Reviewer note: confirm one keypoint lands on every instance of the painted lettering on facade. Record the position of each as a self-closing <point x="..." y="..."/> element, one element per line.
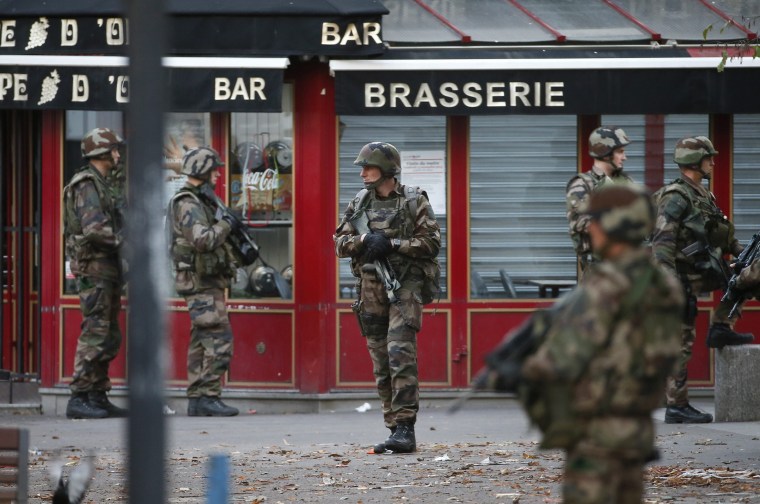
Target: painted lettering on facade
<point x="333" y="34"/>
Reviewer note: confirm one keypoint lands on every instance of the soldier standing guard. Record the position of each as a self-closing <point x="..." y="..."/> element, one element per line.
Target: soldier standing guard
<point x="204" y="265"/>
<point x="604" y="353"/>
<point x="690" y="237"/>
<point x="93" y="222"/>
<point x="606" y="145"/>
<point x="404" y="235"/>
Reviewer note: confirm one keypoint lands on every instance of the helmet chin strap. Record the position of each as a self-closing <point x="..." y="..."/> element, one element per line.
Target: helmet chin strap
<point x="372" y="185"/>
<point x="615" y="168"/>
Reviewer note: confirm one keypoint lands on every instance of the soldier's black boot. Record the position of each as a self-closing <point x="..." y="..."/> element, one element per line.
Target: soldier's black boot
<point x="213" y="406"/>
<point x="686" y="414"/>
<point x="721" y="335"/>
<point x="100" y="399"/>
<point x="192" y="406"/>
<point x="402" y="441"/>
<point x="79" y="406"/>
<point x="380" y="447"/>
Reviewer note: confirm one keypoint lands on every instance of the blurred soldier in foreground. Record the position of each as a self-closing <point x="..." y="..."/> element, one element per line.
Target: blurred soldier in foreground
<point x="93" y="222"/>
<point x="390" y="233"/>
<point x="204" y="265"/>
<point x="593" y="366"/>
<point x="607" y="146"/>
<point x="690" y="238"/>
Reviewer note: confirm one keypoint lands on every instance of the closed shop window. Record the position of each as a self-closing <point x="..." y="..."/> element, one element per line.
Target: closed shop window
<point x="746" y="180"/>
<point x="260" y="164"/>
<point x="419" y="140"/>
<point x="77" y="124"/>
<point x="519" y="166"/>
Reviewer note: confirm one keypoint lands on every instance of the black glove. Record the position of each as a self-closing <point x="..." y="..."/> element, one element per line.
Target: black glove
<point x="226" y="217"/>
<point x="376" y="246"/>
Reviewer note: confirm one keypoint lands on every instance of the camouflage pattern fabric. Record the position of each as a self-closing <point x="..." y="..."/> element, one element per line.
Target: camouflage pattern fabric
<point x="93" y="233"/>
<point x="391" y="329"/>
<point x="197" y="242"/>
<point x="210" y="350"/>
<point x="578" y="190"/>
<point x="683" y="210"/>
<point x="99" y="141"/>
<point x="605" y="139"/>
<point x="749" y="279"/>
<point x="612" y="343"/>
<point x="93" y="225"/>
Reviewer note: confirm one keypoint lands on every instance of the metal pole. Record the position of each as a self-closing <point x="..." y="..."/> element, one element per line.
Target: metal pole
<point x="3" y="263"/>
<point x="147" y="252"/>
<point x="20" y="262"/>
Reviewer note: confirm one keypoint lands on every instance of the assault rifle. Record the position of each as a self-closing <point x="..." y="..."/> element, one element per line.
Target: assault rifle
<point x="382" y="265"/>
<point x="245" y="248"/>
<point x="746" y="257"/>
<point x="503" y="364"/>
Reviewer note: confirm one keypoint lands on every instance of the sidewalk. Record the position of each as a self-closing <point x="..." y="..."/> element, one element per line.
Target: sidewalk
<point x="480" y="454"/>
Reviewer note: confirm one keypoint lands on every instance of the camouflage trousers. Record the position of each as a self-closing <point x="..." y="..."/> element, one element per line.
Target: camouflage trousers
<point x="391" y="332"/>
<point x="601" y="477"/>
<point x="210" y="350"/>
<point x="100" y="339"/>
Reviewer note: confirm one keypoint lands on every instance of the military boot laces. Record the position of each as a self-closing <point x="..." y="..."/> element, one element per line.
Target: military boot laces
<point x="213" y="406"/>
<point x="380" y="447"/>
<point x="686" y="414"/>
<point x="100" y="399"/>
<point x="402" y="441"/>
<point x="79" y="406"/>
<point x="721" y="335"/>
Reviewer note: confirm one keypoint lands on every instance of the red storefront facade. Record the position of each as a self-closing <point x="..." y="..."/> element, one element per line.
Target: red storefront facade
<point x="307" y="346"/>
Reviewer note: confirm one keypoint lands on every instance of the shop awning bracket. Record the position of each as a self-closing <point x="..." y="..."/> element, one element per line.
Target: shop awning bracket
<point x="448" y="24"/>
<point x="630" y="17"/>
<point x="559" y="36"/>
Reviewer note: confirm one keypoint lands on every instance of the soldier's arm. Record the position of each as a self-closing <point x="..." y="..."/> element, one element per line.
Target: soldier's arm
<point x="576" y="195"/>
<point x="670" y="211"/>
<point x="426" y="240"/>
<point x="346" y="238"/>
<point x="196" y="228"/>
<point x="749" y="277"/>
<point x="97" y="227"/>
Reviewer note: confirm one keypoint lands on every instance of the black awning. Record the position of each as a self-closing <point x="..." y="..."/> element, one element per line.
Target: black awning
<point x="542" y="82"/>
<point x="219" y="27"/>
<point x="102" y="83"/>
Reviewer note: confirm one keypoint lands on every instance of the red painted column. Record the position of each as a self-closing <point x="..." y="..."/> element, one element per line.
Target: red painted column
<point x="459" y="242"/>
<point x="316" y="174"/>
<point x="722" y="134"/>
<point x="586" y="124"/>
<point x="654" y="149"/>
<point x="50" y="246"/>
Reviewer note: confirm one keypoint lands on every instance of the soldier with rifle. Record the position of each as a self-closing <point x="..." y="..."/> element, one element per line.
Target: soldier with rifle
<point x="204" y="260"/>
<point x="746" y="277"/>
<point x="590" y="370"/>
<point x="391" y="235"/>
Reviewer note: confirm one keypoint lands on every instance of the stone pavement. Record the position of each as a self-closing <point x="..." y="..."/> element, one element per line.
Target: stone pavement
<point x="480" y="454"/>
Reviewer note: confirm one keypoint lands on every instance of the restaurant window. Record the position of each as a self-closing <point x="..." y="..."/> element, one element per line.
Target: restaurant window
<point x="519" y="166"/>
<point x="77" y="124"/>
<point x="260" y="189"/>
<point x="746" y="176"/>
<point x="421" y="141"/>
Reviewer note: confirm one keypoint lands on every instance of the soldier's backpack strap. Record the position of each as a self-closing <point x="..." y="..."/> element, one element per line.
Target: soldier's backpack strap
<point x="677" y="206"/>
<point x="169" y="223"/>
<point x="78" y="177"/>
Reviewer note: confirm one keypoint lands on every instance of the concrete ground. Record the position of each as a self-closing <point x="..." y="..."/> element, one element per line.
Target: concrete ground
<point x="480" y="454"/>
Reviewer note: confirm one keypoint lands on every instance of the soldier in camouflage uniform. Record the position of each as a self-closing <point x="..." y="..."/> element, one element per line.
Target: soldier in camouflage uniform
<point x="204" y="265"/>
<point x="607" y="147"/>
<point x="691" y="235"/>
<point x="93" y="222"/>
<point x="405" y="240"/>
<point x="605" y="351"/>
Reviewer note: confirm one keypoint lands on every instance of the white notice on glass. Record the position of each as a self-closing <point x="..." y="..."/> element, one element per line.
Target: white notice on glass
<point x="426" y="169"/>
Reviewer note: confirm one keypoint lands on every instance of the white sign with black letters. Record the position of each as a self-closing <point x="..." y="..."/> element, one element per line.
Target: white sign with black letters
<point x="426" y="169"/>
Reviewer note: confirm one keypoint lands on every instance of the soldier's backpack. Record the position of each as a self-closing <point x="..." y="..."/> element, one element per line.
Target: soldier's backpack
<point x="431" y="287"/>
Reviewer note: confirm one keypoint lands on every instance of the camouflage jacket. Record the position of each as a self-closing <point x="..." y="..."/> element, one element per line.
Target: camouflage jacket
<point x="749" y="279"/>
<point x="576" y="196"/>
<point x="611" y="344"/>
<point x="688" y="216"/>
<point x="200" y="254"/>
<point x="92" y="225"/>
<point x="419" y="235"/>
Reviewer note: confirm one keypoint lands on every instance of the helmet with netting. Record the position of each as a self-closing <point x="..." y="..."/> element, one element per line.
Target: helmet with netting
<point x="691" y="150"/>
<point x="624" y="211"/>
<point x="199" y="162"/>
<point x="381" y="154"/>
<point x="100" y="141"/>
<point x="605" y="139"/>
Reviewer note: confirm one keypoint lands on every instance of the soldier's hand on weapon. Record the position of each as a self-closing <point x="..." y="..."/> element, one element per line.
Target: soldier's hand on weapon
<point x="221" y="215"/>
<point x="376" y="246"/>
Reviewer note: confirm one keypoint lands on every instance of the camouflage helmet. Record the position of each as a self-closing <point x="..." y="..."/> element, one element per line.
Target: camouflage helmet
<point x="199" y="162"/>
<point x="262" y="282"/>
<point x="380" y="154"/>
<point x="100" y="141"/>
<point x="605" y="139"/>
<point x="624" y="211"/>
<point x="691" y="150"/>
